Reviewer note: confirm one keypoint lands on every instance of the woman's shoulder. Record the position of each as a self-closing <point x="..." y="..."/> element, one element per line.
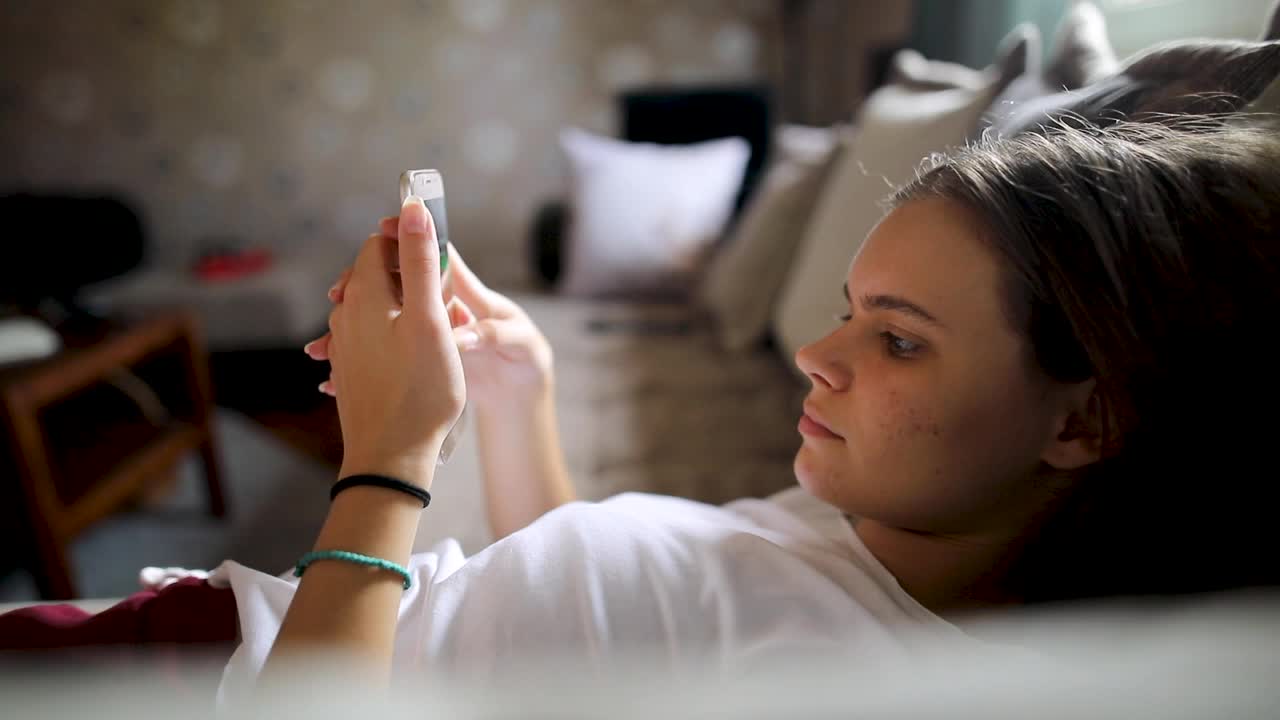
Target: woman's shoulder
<point x="789" y="519"/>
<point x="785" y="536"/>
<point x="637" y="547"/>
<point x="635" y="520"/>
<point x="739" y="567"/>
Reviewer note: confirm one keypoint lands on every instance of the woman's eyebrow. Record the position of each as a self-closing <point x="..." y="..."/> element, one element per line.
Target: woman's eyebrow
<point x="897" y="303"/>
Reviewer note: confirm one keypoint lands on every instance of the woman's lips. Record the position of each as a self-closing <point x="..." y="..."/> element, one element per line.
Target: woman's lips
<point x="814" y="427"/>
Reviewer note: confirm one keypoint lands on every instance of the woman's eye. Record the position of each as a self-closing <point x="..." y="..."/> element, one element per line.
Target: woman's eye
<point x="895" y="345"/>
<point x="899" y="346"/>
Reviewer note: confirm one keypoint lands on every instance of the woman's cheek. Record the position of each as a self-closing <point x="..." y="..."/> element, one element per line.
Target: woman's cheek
<point x="902" y="419"/>
<point x="909" y="442"/>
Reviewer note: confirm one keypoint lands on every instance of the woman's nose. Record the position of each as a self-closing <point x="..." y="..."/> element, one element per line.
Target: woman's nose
<point x="822" y="366"/>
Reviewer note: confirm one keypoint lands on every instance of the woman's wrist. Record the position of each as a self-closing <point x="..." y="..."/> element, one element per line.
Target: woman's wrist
<point x="371" y="521"/>
<point x="418" y="469"/>
<point x="523" y="401"/>
<point x="365" y="498"/>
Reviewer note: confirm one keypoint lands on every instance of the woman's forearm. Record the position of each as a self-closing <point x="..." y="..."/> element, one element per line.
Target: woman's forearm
<point x="346" y="609"/>
<point x="524" y="469"/>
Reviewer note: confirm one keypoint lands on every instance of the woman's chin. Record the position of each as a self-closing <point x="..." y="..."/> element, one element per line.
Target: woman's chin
<point x="807" y="469"/>
<point x="818" y="479"/>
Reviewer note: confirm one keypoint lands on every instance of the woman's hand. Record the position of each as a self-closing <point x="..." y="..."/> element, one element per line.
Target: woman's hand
<point x="506" y="358"/>
<point x="396" y="370"/>
<point x="508" y="367"/>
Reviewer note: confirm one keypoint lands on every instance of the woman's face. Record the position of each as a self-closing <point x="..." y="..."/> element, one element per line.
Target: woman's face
<point x="926" y="411"/>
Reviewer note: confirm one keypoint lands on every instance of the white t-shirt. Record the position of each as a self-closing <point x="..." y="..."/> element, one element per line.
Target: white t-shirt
<point x="689" y="583"/>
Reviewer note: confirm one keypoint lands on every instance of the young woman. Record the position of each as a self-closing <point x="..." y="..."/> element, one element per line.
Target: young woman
<point x="1039" y="392"/>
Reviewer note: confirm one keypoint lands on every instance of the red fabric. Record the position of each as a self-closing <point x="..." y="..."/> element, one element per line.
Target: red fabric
<point x="188" y="612"/>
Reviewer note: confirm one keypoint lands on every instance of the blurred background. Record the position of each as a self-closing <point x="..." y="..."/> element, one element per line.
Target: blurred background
<point x="182" y="180"/>
<point x="286" y="124"/>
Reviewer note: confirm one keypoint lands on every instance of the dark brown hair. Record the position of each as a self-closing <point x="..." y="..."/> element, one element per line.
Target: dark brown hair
<point x="1145" y="256"/>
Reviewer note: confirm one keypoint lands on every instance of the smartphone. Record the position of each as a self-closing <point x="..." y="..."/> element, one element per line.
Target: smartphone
<point x="429" y="185"/>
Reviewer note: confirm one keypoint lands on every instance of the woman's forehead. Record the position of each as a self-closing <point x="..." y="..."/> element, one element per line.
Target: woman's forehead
<point x="930" y="252"/>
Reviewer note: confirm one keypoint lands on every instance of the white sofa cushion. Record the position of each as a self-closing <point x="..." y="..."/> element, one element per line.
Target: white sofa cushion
<point x="645" y="216"/>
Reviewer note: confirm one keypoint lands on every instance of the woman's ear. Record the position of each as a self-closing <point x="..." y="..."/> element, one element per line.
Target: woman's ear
<point x="1077" y="438"/>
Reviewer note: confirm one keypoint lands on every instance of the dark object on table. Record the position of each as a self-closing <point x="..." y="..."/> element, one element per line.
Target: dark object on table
<point x="55" y="245"/>
<point x="550" y="224"/>
<point x="669" y="116"/>
<point x="639" y="326"/>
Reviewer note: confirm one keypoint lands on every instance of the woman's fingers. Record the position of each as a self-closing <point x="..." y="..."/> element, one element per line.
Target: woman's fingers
<point x="371" y="276"/>
<point x="327" y="388"/>
<point x="391" y="260"/>
<point x="318" y="349"/>
<point x="462" y="320"/>
<point x="459" y="313"/>
<point x="461" y="282"/>
<point x="390" y="226"/>
<point x="340" y="286"/>
<point x="467" y="286"/>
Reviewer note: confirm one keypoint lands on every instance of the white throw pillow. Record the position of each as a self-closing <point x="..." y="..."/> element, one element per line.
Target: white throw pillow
<point x="645" y="216"/>
<point x="745" y="276"/>
<point x="898" y="126"/>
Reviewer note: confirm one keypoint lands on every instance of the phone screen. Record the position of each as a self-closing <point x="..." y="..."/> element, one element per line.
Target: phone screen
<point x="429" y="185"/>
<point x="436" y="206"/>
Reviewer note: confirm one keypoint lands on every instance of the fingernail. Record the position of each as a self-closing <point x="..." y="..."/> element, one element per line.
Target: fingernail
<point x="413" y="221"/>
<point x="333" y="292"/>
<point x="468" y="339"/>
<point x="307" y="348"/>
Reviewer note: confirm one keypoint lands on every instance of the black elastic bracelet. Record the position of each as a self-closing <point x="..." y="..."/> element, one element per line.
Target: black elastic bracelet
<point x="382" y="482"/>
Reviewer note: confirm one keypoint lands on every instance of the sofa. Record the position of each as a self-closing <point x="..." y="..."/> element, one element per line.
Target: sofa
<point x="697" y="394"/>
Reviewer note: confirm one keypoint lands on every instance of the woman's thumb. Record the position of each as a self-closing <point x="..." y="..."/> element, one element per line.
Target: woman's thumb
<point x="419" y="257"/>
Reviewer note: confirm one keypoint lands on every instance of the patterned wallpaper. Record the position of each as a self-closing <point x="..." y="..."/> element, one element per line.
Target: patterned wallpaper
<point x="285" y="123"/>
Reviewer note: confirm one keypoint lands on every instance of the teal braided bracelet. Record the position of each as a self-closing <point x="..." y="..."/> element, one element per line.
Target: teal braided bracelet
<point x="356" y="558"/>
